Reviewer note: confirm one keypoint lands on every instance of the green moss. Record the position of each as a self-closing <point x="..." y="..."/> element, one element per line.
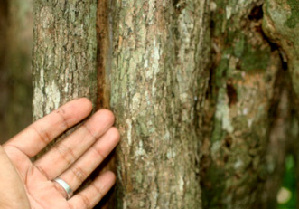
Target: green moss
<point x="294" y="19"/>
<point x="254" y="60"/>
<point x="217" y="131"/>
<point x="241" y="45"/>
<point x="211" y="196"/>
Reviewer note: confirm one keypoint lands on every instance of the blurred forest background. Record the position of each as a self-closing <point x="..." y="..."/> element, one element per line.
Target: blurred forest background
<point x="16" y="38"/>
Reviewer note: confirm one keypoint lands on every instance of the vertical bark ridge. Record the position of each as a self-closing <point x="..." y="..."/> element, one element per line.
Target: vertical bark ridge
<point x="158" y="81"/>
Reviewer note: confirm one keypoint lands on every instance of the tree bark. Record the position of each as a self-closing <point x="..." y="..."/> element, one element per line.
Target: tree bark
<point x="65" y="53"/>
<point x="244" y="71"/>
<point x="181" y="146"/>
<point x="158" y="83"/>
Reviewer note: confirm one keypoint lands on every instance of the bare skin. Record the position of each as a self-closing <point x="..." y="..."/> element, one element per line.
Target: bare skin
<point x="28" y="185"/>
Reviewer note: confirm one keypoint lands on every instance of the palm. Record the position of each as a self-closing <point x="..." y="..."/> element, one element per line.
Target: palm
<point x="41" y="192"/>
<point x="66" y="159"/>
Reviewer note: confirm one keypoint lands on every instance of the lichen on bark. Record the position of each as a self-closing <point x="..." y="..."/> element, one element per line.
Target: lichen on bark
<point x="159" y="77"/>
<point x="244" y="69"/>
<point x="65" y="53"/>
<point x="64" y="56"/>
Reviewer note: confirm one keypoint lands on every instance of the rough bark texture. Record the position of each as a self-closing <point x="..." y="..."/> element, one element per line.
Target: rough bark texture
<point x="15" y="63"/>
<point x="244" y="70"/>
<point x="153" y="71"/>
<point x="65" y="53"/>
<point x="158" y="83"/>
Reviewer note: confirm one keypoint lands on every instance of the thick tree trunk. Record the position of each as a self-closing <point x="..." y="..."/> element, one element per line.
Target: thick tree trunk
<point x="153" y="71"/>
<point x="158" y="82"/>
<point x="244" y="70"/>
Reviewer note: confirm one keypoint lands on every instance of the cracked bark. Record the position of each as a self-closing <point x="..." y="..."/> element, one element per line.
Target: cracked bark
<point x="158" y="83"/>
<point x="153" y="72"/>
<point x="166" y="99"/>
<point x="65" y="47"/>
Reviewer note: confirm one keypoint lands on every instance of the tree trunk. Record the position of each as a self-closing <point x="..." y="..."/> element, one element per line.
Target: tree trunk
<point x="244" y="74"/>
<point x="181" y="145"/>
<point x="158" y="83"/>
<point x="65" y="46"/>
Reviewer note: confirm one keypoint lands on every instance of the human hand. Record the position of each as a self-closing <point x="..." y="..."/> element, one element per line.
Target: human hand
<point x="29" y="185"/>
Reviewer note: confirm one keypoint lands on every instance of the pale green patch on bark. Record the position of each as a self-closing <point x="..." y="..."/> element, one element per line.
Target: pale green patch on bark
<point x="64" y="54"/>
<point x="242" y="88"/>
<point x="158" y="83"/>
<point x="65" y="51"/>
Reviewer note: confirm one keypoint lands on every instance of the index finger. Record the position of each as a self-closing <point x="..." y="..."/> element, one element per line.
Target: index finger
<point x="38" y="135"/>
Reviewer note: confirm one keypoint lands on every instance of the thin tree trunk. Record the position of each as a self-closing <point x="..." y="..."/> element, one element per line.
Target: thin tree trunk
<point x="158" y="83"/>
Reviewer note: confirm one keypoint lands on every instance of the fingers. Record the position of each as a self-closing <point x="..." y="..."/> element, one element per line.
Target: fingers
<point x="34" y="138"/>
<point x="86" y="164"/>
<point x="91" y="195"/>
<point x="61" y="156"/>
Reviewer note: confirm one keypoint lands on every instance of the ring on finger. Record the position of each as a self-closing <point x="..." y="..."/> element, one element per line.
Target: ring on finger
<point x="65" y="186"/>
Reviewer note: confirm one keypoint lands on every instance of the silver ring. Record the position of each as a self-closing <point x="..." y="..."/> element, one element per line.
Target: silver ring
<point x="65" y="186"/>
